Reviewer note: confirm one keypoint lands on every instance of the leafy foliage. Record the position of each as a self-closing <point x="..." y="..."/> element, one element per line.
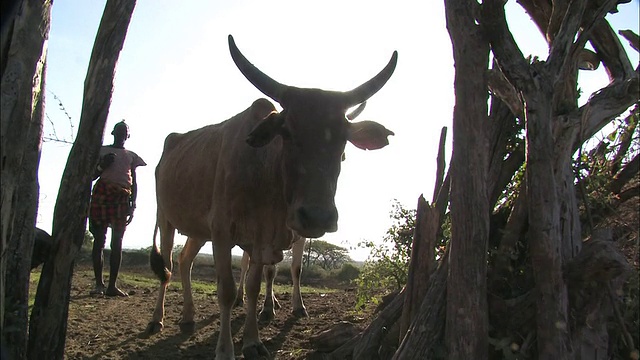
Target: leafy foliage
<point x="387" y="266"/>
<point x="600" y="170"/>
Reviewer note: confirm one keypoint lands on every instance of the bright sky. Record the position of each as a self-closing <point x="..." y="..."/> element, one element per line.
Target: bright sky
<point x="175" y="74"/>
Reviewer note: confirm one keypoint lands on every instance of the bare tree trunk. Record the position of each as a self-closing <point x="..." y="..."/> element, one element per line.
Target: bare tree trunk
<point x="467" y="324"/>
<point x="49" y="317"/>
<point x="24" y="39"/>
<point x="544" y="231"/>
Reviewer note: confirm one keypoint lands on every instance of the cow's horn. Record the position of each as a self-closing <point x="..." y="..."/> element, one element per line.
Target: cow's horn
<point x="366" y="90"/>
<point x="260" y="80"/>
<point x="357" y="111"/>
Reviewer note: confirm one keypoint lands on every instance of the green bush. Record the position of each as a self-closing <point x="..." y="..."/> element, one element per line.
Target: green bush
<point x="387" y="266"/>
<point x="347" y="273"/>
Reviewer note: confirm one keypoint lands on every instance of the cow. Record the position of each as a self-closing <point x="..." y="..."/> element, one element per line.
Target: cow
<point x="258" y="180"/>
<point x="192" y="248"/>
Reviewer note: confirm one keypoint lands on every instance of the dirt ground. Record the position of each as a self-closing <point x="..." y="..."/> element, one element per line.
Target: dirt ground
<point x="114" y="328"/>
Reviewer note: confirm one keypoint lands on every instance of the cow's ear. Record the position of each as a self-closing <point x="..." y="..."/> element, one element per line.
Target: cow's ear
<point x="368" y="135"/>
<point x="266" y="130"/>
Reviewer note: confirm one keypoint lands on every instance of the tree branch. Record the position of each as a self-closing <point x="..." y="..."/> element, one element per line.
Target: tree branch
<point x="504" y="47"/>
<point x="502" y="88"/>
<point x="560" y="51"/>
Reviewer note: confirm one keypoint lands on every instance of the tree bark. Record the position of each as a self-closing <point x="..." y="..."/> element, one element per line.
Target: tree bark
<point x="24" y="39"/>
<point x="366" y="344"/>
<point x="422" y="259"/>
<point x="544" y="228"/>
<point x="49" y="317"/>
<point x="467" y="322"/>
<point x="425" y="335"/>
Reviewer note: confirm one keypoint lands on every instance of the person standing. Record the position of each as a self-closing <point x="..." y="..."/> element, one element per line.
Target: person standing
<point x="113" y="201"/>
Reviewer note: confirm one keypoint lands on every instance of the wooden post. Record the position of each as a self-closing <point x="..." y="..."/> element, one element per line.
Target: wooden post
<point x="48" y="324"/>
<point x="25" y="28"/>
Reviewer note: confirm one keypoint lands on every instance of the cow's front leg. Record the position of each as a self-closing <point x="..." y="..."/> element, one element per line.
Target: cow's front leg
<point x="252" y="347"/>
<point x="226" y="297"/>
<point x="270" y="302"/>
<point x="185" y="260"/>
<point x="243" y="274"/>
<point x="299" y="310"/>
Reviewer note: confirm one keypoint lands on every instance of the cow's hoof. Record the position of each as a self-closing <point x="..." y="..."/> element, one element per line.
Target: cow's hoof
<point x="187" y="327"/>
<point x="256" y="351"/>
<point x="154" y="328"/>
<point x="300" y="313"/>
<point x="265" y="317"/>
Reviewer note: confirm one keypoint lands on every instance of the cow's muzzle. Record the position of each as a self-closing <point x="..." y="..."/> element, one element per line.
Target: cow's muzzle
<point x="314" y="221"/>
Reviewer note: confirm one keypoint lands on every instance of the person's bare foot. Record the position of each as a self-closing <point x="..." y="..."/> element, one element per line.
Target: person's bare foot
<point x="99" y="290"/>
<point x="114" y="291"/>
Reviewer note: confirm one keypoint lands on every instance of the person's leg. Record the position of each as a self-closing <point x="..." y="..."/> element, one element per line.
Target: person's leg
<point x="99" y="232"/>
<point x="117" y="234"/>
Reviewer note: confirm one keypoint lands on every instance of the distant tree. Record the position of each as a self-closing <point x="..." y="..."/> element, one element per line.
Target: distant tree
<point x="326" y="255"/>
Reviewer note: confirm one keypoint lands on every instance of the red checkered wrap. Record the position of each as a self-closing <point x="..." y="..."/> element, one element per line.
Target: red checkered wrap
<point x="109" y="205"/>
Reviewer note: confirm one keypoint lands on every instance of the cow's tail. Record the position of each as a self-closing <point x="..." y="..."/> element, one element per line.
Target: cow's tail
<point x="157" y="262"/>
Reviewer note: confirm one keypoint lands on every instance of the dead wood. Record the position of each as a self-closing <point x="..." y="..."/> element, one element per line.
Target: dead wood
<point x="441" y="164"/>
<point x="367" y="347"/>
<point x="632" y="38"/>
<point x="366" y="344"/>
<point x="467" y="322"/>
<point x="597" y="263"/>
<point x="628" y="172"/>
<point x="332" y="338"/>
<point x="422" y="258"/>
<point x="424" y="339"/>
<point x="625" y="139"/>
<point x="511" y="234"/>
<point x="25" y="30"/>
<point x="386" y="300"/>
<point x="588" y="276"/>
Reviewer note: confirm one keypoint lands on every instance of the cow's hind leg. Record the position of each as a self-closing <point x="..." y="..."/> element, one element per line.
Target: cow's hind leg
<point x="226" y="297"/>
<point x="244" y="266"/>
<point x="299" y="310"/>
<point x="270" y="302"/>
<point x="252" y="347"/>
<point x="161" y="264"/>
<point x="185" y="261"/>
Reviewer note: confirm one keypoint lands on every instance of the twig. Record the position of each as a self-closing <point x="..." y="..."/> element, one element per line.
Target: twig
<point x="55" y="139"/>
<point x="628" y="340"/>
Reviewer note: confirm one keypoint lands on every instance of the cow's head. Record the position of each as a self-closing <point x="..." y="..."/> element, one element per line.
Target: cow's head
<point x="314" y="130"/>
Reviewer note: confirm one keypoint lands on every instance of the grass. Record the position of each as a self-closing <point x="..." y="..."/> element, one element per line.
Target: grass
<point x="33" y="286"/>
<point x="134" y="273"/>
<point x="200" y="286"/>
<point x="148" y="281"/>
